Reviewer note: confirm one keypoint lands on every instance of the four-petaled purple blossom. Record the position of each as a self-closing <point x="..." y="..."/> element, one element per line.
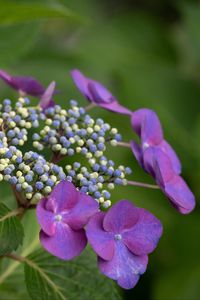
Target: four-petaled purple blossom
<point x="158" y="158"/>
<point x="62" y="217"/>
<point x="96" y="93"/>
<point x="30" y="86"/>
<point x="122" y="238"/>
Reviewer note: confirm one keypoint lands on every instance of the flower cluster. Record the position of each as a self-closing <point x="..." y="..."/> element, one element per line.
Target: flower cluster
<point x="72" y="198"/>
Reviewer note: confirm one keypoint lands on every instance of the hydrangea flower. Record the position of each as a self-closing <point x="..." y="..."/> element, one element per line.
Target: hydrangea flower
<point x="173" y="185"/>
<point x="147" y="125"/>
<point x="24" y="85"/>
<point x="96" y="93"/>
<point x="159" y="159"/>
<point x="62" y="217"/>
<point x="122" y="238"/>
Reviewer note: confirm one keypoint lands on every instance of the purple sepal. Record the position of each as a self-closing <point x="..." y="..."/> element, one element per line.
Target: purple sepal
<point x="62" y="217"/>
<point x="124" y="267"/>
<point x="46" y="100"/>
<point x="66" y="243"/>
<point x="25" y="85"/>
<point x="95" y="92"/>
<point x="122" y="238"/>
<point x="173" y="185"/>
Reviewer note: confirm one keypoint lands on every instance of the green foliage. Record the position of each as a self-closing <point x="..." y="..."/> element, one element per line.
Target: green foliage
<point x="13" y="12"/>
<point x="11" y="230"/>
<point x="48" y="278"/>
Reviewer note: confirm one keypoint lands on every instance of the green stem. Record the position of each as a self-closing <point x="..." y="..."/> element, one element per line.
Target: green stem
<point x="124" y="144"/>
<point x="142" y="184"/>
<point x="14" y="265"/>
<point x="90" y="106"/>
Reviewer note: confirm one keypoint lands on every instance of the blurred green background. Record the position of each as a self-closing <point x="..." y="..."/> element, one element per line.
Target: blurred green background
<point x="147" y="52"/>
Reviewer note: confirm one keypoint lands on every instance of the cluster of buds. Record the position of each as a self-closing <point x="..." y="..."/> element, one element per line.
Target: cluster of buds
<point x="72" y="198"/>
<point x="65" y="132"/>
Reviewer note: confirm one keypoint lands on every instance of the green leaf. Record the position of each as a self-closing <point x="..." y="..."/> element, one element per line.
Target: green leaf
<point x="48" y="278"/>
<point x="11" y="230"/>
<point x="12" y="12"/>
<point x="14" y="288"/>
<point x="179" y="284"/>
<point x="21" y="38"/>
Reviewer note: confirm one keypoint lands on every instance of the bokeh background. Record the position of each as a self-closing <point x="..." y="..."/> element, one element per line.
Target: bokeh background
<point x="147" y="52"/>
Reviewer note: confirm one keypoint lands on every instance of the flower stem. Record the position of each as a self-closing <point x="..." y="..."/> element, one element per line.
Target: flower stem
<point x="15" y="257"/>
<point x="124" y="144"/>
<point x="90" y="106"/>
<point x="142" y="184"/>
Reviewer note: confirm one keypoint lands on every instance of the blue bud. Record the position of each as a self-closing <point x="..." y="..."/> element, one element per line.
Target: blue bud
<point x="6" y="102"/>
<point x="56" y="169"/>
<point x="8" y="154"/>
<point x="117" y="173"/>
<point x="13" y="180"/>
<point x="10" y="133"/>
<point x="19" y="160"/>
<point x="39" y="185"/>
<point x="28" y="178"/>
<point x="7" y="171"/>
<point x="19" y="187"/>
<point x="84" y="189"/>
<point x="118" y="181"/>
<point x="50" y="182"/>
<point x="128" y="170"/>
<point x="97" y="194"/>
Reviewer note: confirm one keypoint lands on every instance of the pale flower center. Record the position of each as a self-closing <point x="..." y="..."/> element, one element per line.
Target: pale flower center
<point x="145" y="146"/>
<point x="118" y="237"/>
<point x="58" y="218"/>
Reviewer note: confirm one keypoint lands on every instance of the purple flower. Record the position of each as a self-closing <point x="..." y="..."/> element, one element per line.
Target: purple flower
<point x="24" y="85"/>
<point x="173" y="185"/>
<point x="122" y="238"/>
<point x="46" y="99"/>
<point x="62" y="217"/>
<point x="158" y="158"/>
<point x="147" y="125"/>
<point x="96" y="93"/>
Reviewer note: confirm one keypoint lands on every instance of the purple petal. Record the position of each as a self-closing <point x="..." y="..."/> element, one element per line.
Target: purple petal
<point x="121" y="216"/>
<point x="151" y="131"/>
<point x="173" y="185"/>
<point x="63" y="197"/>
<point x="137" y="151"/>
<point x="79" y="215"/>
<point x="66" y="243"/>
<point x="166" y="148"/>
<point x="81" y="83"/>
<point x="180" y="195"/>
<point x="46" y="99"/>
<point x="149" y="155"/>
<point x="6" y="77"/>
<point x="45" y="218"/>
<point x="124" y="267"/>
<point x="163" y="167"/>
<point x="95" y="92"/>
<point x="101" y="241"/>
<point x="143" y="237"/>
<point x="27" y="85"/>
<point x="116" y="107"/>
<point x="99" y="93"/>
